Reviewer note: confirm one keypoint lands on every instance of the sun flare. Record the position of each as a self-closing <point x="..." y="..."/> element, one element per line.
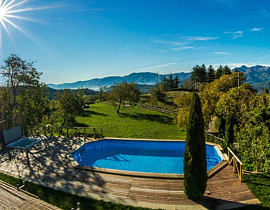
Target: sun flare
<point x="3" y="13"/>
<point x="10" y="10"/>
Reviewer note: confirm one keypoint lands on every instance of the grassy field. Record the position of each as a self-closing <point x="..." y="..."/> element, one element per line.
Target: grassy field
<point x="131" y="122"/>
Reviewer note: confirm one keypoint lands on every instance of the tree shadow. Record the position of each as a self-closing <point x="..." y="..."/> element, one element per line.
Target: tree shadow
<point x="150" y="117"/>
<point x="81" y="125"/>
<point x="88" y="113"/>
<point x="216" y="204"/>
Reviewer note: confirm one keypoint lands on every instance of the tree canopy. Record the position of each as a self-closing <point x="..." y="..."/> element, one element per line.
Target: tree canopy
<point x="123" y="93"/>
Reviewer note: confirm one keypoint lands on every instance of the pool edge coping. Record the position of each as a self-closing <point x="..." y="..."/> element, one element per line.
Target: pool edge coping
<point x="210" y="172"/>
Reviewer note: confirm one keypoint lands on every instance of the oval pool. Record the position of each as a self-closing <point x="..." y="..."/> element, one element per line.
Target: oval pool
<point x="139" y="156"/>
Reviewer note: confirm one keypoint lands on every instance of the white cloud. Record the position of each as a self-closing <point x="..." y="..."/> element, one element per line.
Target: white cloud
<point x="157" y="66"/>
<point x="167" y="42"/>
<point x="222" y="53"/>
<point x="201" y="38"/>
<point x="234" y="65"/>
<point x="183" y="48"/>
<point x="256" y="29"/>
<point x="235" y="34"/>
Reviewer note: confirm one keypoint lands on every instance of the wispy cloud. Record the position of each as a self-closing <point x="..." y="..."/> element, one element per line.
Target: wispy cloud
<point x="236" y="34"/>
<point x="222" y="53"/>
<point x="183" y="48"/>
<point x="256" y="29"/>
<point x="157" y="66"/>
<point x="201" y="38"/>
<point x="167" y="42"/>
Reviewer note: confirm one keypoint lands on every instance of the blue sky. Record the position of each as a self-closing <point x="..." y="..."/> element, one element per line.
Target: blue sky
<point x="75" y="40"/>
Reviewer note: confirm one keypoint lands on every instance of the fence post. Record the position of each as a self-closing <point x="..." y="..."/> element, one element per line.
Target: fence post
<point x="228" y="156"/>
<point x="234" y="165"/>
<point x="241" y="173"/>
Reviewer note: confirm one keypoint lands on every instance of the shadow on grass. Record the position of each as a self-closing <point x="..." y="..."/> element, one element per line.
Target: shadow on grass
<point x="88" y="113"/>
<point x="151" y="117"/>
<point x="262" y="179"/>
<point x="80" y="125"/>
<point x="216" y="204"/>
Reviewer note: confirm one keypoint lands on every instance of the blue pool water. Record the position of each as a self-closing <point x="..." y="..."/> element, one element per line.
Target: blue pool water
<point x="140" y="156"/>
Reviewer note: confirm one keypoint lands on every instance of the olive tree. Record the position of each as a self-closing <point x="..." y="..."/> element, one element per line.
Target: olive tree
<point x="124" y="92"/>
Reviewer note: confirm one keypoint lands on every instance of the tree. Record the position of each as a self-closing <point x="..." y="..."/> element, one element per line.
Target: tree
<point x="226" y="70"/>
<point x="169" y="83"/>
<point x="188" y="84"/>
<point x="19" y="73"/>
<point x="23" y="95"/>
<point x="70" y="105"/>
<point x="157" y="95"/>
<point x="124" y="92"/>
<point x="195" y="171"/>
<point x="198" y="74"/>
<point x="101" y="93"/>
<point x="229" y="132"/>
<point x="176" y="82"/>
<point x="210" y="74"/>
<point x="254" y="147"/>
<point x="219" y="72"/>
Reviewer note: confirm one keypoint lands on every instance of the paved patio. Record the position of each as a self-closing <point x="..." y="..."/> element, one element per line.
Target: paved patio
<point x="47" y="164"/>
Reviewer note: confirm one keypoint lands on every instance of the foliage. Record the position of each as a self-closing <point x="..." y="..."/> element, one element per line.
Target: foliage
<point x="201" y="75"/>
<point x="254" y="147"/>
<point x="210" y="94"/>
<point x="236" y="102"/>
<point x="198" y="74"/>
<point x="188" y="84"/>
<point x="23" y="95"/>
<point x="157" y="95"/>
<point x="124" y="92"/>
<point x="169" y="83"/>
<point x="102" y="94"/>
<point x="70" y="104"/>
<point x="195" y="172"/>
<point x="183" y="101"/>
<point x="229" y="132"/>
<point x="134" y="122"/>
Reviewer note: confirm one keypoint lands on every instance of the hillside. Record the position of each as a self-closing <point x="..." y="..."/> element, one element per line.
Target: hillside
<point x="258" y="76"/>
<point x="146" y="78"/>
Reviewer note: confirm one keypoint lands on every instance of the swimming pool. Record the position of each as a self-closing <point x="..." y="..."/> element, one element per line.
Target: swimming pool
<point x="164" y="157"/>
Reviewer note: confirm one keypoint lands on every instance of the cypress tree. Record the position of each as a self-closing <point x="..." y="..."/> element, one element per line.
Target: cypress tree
<point x="195" y="172"/>
<point x="229" y="135"/>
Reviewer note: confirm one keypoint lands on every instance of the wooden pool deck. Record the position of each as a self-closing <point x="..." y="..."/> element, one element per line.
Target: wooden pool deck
<point x="48" y="166"/>
<point x="11" y="198"/>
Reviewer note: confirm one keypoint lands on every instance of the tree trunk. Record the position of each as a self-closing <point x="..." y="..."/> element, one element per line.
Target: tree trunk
<point x="119" y="105"/>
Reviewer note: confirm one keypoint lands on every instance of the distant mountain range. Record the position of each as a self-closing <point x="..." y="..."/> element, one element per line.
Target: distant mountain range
<point x="143" y="78"/>
<point x="258" y="76"/>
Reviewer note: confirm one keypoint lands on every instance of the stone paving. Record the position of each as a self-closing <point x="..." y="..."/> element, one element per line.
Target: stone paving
<point x="47" y="164"/>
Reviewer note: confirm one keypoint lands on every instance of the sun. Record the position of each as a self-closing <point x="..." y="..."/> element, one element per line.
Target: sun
<point x="3" y="13"/>
<point x="13" y="10"/>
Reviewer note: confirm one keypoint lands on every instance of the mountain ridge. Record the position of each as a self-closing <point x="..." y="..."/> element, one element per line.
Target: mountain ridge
<point x="145" y="78"/>
<point x="258" y="76"/>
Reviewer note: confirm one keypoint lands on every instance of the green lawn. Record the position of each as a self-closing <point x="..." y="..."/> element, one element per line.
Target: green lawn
<point x="131" y="122"/>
